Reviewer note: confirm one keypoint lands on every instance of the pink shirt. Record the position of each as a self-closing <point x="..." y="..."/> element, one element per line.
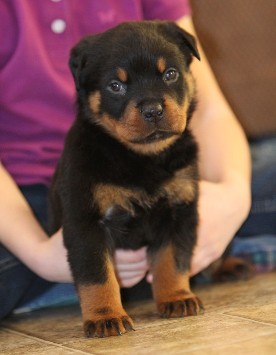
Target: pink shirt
<point x="37" y="93"/>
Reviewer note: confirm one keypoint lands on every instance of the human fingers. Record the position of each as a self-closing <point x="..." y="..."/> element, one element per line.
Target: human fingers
<point x="128" y="256"/>
<point x="131" y="266"/>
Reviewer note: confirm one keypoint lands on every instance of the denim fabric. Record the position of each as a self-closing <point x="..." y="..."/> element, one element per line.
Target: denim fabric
<point x="262" y="217"/>
<point x="41" y="296"/>
<point x="15" y="281"/>
<point x="259" y="250"/>
<point x="256" y="240"/>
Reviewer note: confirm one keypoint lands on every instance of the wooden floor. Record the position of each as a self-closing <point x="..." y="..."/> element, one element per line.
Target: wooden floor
<point x="240" y="318"/>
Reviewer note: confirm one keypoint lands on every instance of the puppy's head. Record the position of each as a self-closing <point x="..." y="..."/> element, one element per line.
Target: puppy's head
<point x="134" y="81"/>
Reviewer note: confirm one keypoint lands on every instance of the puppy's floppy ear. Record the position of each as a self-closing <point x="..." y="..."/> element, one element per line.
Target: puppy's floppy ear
<point x="185" y="40"/>
<point x="78" y="61"/>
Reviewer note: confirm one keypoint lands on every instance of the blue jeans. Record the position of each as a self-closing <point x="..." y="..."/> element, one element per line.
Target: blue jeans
<point x="256" y="239"/>
<point x="262" y="217"/>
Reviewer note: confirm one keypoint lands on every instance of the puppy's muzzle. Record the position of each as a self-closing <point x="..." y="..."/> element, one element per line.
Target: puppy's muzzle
<point x="152" y="111"/>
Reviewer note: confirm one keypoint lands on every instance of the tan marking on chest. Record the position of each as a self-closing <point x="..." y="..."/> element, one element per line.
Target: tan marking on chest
<point x="182" y="187"/>
<point x="108" y="195"/>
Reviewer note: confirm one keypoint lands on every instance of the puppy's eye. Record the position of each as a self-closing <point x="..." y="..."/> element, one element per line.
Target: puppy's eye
<point x="171" y="75"/>
<point x="116" y="87"/>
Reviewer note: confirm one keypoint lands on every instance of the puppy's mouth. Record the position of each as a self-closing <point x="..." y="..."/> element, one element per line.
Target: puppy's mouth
<point x="158" y="135"/>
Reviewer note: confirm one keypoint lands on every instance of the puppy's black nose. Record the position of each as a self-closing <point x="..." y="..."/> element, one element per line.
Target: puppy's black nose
<point x="152" y="112"/>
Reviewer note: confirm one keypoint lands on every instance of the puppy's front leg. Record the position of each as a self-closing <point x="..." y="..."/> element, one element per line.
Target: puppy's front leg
<point x="97" y="286"/>
<point x="171" y="287"/>
<point x="102" y="311"/>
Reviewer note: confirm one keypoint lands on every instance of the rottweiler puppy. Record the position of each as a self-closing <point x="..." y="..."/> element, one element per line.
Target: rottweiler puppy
<point x="128" y="175"/>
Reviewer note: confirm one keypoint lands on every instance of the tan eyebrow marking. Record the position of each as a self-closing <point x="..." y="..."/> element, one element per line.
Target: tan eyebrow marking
<point x="122" y="74"/>
<point x="161" y="64"/>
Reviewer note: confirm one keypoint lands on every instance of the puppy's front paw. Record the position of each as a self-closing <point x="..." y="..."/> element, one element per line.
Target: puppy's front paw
<point x="191" y="306"/>
<point x="108" y="326"/>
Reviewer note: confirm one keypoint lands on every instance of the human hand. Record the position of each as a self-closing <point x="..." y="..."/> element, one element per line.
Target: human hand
<point x="131" y="266"/>
<point x="222" y="209"/>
